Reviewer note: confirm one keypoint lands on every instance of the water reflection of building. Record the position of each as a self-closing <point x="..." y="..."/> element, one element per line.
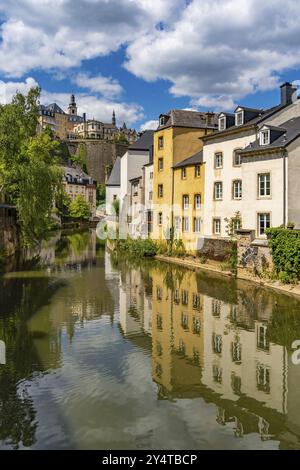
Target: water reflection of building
<point x="213" y="338"/>
<point x="135" y="303"/>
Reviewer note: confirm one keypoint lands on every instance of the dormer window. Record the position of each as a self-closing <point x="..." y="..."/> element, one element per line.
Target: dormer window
<point x="265" y="137"/>
<point x="222" y="123"/>
<point x="162" y="121"/>
<point x="239" y="118"/>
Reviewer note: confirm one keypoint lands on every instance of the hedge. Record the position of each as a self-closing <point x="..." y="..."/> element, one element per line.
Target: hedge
<point x="285" y="249"/>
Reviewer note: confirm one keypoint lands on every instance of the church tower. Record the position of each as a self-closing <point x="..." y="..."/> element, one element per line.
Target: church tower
<point x="72" y="106"/>
<point x="114" y="119"/>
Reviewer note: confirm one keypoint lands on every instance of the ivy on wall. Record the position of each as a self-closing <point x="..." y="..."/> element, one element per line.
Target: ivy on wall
<point x="285" y="249"/>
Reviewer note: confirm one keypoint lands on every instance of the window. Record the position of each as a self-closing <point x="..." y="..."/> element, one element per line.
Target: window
<point x="184" y="321"/>
<point x="237" y="158"/>
<point x="216" y="308"/>
<point x="160" y="142"/>
<point x="160" y="190"/>
<point x="218" y="190"/>
<point x="218" y="160"/>
<point x="196" y="301"/>
<point x="183" y="173"/>
<point x="162" y="121"/>
<point x="264" y="185"/>
<point x="217" y="226"/>
<point x="237" y="189"/>
<point x="217" y="343"/>
<point x="177" y="224"/>
<point x="150" y="195"/>
<point x="151" y="175"/>
<point x="262" y="339"/>
<point x="196" y="325"/>
<point x="159" y="322"/>
<point x="236" y="351"/>
<point x="197" y="224"/>
<point x="222" y="123"/>
<point x="265" y="137"/>
<point x="181" y="347"/>
<point x="263" y="378"/>
<point x="264" y="222"/>
<point x="185" y="201"/>
<point x="217" y="374"/>
<point x="197" y="201"/>
<point x="160" y="164"/>
<point x="176" y="296"/>
<point x="185" y="224"/>
<point x="159" y="293"/>
<point x="184" y="297"/>
<point x="197" y="171"/>
<point x="160" y="218"/>
<point x="236" y="225"/>
<point x="239" y="118"/>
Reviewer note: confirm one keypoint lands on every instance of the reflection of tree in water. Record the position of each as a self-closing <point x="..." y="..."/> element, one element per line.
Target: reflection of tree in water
<point x="21" y="298"/>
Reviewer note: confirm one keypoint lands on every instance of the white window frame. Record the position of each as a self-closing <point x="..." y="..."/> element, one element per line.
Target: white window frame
<point x="265" y="215"/>
<point x="237" y="194"/>
<point x="239" y="114"/>
<point x="216" y="223"/>
<point x="222" y="123"/>
<point x="218" y="160"/>
<point x="197" y="173"/>
<point x="197" y="224"/>
<point x="218" y="194"/>
<point x="183" y="173"/>
<point x="265" y="137"/>
<point x="185" y="224"/>
<point x="197" y="201"/>
<point x="160" y="191"/>
<point x="160" y="164"/>
<point x="160" y="218"/>
<point x="162" y="121"/>
<point x="185" y="201"/>
<point x="262" y="185"/>
<point x="235" y="153"/>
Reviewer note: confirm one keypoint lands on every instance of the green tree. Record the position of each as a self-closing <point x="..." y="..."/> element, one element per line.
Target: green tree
<point x="79" y="208"/>
<point x="101" y="193"/>
<point x="30" y="176"/>
<point x="80" y="158"/>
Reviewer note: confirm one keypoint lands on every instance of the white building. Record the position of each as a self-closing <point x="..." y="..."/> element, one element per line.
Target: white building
<point x="252" y="168"/>
<point x="132" y="163"/>
<point x="148" y="195"/>
<point x="113" y="188"/>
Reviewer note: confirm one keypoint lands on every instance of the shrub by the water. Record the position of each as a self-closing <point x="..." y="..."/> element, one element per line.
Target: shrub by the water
<point x="139" y="248"/>
<point x="285" y="249"/>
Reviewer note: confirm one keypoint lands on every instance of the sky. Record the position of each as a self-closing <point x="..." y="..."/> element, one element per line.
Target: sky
<point x="144" y="57"/>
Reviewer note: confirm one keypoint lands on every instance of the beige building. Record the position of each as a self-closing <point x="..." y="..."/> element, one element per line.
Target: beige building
<point x="76" y="183"/>
<point x="252" y="169"/>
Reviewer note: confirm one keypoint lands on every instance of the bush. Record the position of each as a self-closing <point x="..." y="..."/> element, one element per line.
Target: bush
<point x="138" y="248"/>
<point x="285" y="249"/>
<point x="79" y="208"/>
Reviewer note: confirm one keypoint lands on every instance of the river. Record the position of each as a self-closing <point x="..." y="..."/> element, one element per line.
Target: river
<point x="101" y="352"/>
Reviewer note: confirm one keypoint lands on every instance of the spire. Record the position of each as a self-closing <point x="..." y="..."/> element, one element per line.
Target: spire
<point x="114" y="118"/>
<point x="72" y="100"/>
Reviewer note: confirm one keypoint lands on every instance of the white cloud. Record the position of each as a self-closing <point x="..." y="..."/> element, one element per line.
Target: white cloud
<point x="62" y="33"/>
<point x="9" y="89"/>
<point x="218" y="51"/>
<point x="149" y="125"/>
<point x="107" y="86"/>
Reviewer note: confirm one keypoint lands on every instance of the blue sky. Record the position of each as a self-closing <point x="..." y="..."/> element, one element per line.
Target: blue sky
<point x="142" y="58"/>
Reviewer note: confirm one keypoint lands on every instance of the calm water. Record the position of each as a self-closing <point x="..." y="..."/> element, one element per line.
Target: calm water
<point x="104" y="353"/>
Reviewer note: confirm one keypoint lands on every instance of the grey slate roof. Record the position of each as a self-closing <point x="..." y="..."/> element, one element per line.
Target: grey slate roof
<point x="253" y="122"/>
<point x="193" y="160"/>
<point x="54" y="108"/>
<point x="145" y="142"/>
<point x="291" y="130"/>
<point x="115" y="176"/>
<point x="185" y="118"/>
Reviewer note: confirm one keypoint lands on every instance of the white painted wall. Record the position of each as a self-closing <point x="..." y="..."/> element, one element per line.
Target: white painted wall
<point x="111" y="191"/>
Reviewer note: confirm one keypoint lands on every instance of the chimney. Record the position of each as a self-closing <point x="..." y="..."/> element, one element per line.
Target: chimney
<point x="288" y="93"/>
<point x="84" y="117"/>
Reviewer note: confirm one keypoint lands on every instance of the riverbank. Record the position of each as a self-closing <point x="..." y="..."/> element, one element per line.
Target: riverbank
<point x="213" y="266"/>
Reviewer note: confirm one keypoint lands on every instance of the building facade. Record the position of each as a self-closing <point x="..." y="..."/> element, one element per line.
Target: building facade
<point x="178" y="136"/>
<point x="249" y="178"/>
<point x="77" y="183"/>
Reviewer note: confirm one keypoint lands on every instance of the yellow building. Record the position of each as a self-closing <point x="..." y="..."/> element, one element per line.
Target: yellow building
<point x="189" y="177"/>
<point x="177" y="137"/>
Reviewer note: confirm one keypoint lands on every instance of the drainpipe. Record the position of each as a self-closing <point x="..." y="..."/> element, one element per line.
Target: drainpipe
<point x="172" y="212"/>
<point x="284" y="189"/>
